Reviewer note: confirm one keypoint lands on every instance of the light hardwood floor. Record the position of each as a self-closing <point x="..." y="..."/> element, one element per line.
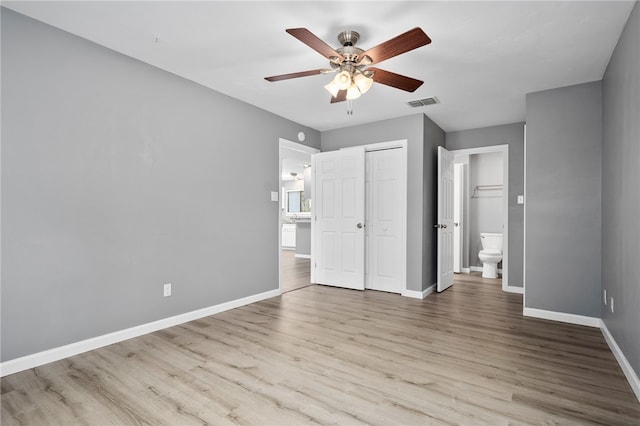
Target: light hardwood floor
<point x="323" y="355"/>
<point x="296" y="271"/>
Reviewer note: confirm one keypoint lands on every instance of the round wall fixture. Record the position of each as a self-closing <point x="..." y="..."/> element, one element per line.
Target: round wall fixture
<point x="301" y="136"/>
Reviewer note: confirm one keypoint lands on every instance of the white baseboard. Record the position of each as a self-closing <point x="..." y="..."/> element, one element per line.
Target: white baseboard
<point x="55" y="354"/>
<point x="427" y="291"/>
<point x="513" y="289"/>
<point x="465" y="270"/>
<point x="562" y="317"/>
<point x="628" y="371"/>
<point x="302" y="256"/>
<point x="419" y="294"/>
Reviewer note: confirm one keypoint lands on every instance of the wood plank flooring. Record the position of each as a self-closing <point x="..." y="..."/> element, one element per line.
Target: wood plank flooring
<point x="324" y="355"/>
<point x="296" y="271"/>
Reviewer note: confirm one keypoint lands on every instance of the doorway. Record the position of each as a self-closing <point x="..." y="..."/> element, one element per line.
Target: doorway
<point x="294" y="218"/>
<point x="484" y="188"/>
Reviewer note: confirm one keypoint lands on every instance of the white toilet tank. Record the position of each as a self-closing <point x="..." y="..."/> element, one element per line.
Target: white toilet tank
<point x="491" y="241"/>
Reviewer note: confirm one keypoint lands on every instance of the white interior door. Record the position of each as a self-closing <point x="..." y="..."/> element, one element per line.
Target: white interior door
<point x="445" y="219"/>
<point x="339" y="213"/>
<point x="384" y="219"/>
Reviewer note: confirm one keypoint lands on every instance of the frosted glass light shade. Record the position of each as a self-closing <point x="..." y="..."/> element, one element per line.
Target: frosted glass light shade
<point x="364" y="83"/>
<point x="332" y="88"/>
<point x="353" y="92"/>
<point x="343" y="80"/>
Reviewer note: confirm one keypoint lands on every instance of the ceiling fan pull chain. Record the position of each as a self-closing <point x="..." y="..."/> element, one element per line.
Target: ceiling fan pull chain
<point x="349" y="107"/>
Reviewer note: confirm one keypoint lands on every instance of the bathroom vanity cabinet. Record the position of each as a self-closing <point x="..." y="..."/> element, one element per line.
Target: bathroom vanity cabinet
<point x="289" y="235"/>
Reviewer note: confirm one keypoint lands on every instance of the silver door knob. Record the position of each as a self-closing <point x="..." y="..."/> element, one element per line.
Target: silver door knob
<point x="359" y="225"/>
<point x="444" y="225"/>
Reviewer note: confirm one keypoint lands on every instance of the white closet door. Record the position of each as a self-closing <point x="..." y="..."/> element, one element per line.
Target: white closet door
<point x="384" y="231"/>
<point x="339" y="213"/>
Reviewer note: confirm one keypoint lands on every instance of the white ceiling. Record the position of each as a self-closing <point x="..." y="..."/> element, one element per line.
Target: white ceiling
<point x="484" y="58"/>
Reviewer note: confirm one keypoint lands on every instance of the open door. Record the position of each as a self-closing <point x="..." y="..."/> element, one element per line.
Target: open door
<point x="445" y="219"/>
<point x="339" y="212"/>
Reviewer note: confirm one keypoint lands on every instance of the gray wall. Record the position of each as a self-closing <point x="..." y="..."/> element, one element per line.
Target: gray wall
<point x="303" y="238"/>
<point x="563" y="205"/>
<point x="419" y="209"/>
<point x="620" y="193"/>
<point x="512" y="135"/>
<point x="115" y="180"/>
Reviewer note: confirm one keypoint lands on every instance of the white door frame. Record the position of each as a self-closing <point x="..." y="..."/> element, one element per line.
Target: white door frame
<point x="504" y="149"/>
<point x="402" y="144"/>
<point x="458" y="207"/>
<point x="287" y="144"/>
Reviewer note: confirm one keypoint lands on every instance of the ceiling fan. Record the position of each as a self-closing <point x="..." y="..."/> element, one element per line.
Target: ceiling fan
<point x="351" y="63"/>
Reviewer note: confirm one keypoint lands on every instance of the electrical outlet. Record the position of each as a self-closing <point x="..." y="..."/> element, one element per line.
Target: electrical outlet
<point x="612" y="305"/>
<point x="604" y="291"/>
<point x="167" y="290"/>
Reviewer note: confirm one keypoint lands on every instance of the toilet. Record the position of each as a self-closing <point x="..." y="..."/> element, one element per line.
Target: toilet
<point x="491" y="253"/>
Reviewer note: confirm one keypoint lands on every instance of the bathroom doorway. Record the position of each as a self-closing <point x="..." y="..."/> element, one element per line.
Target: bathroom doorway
<point x="481" y="183"/>
<point x="294" y="218"/>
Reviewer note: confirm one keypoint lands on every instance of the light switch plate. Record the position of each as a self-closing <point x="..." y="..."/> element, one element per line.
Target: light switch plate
<point x="520" y="199"/>
<point x="274" y="195"/>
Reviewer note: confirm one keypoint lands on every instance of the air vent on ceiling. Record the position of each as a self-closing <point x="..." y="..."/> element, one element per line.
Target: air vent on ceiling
<point x="423" y="102"/>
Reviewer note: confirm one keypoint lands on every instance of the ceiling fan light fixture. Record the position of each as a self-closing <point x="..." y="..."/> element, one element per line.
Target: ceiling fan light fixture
<point x="343" y="80"/>
<point x="349" y="61"/>
<point x="332" y="88"/>
<point x="363" y="82"/>
<point x="353" y="92"/>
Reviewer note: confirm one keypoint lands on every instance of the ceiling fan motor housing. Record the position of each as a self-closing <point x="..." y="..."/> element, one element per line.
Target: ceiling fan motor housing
<point x="349" y="52"/>
<point x="348" y="38"/>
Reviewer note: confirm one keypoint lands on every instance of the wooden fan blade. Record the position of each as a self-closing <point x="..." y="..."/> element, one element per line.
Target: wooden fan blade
<point x="405" y="42"/>
<point x="341" y="97"/>
<point x="392" y="79"/>
<point x="311" y="40"/>
<point x="295" y="75"/>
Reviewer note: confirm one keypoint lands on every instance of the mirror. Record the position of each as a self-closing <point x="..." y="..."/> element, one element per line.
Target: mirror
<point x="296" y="203"/>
